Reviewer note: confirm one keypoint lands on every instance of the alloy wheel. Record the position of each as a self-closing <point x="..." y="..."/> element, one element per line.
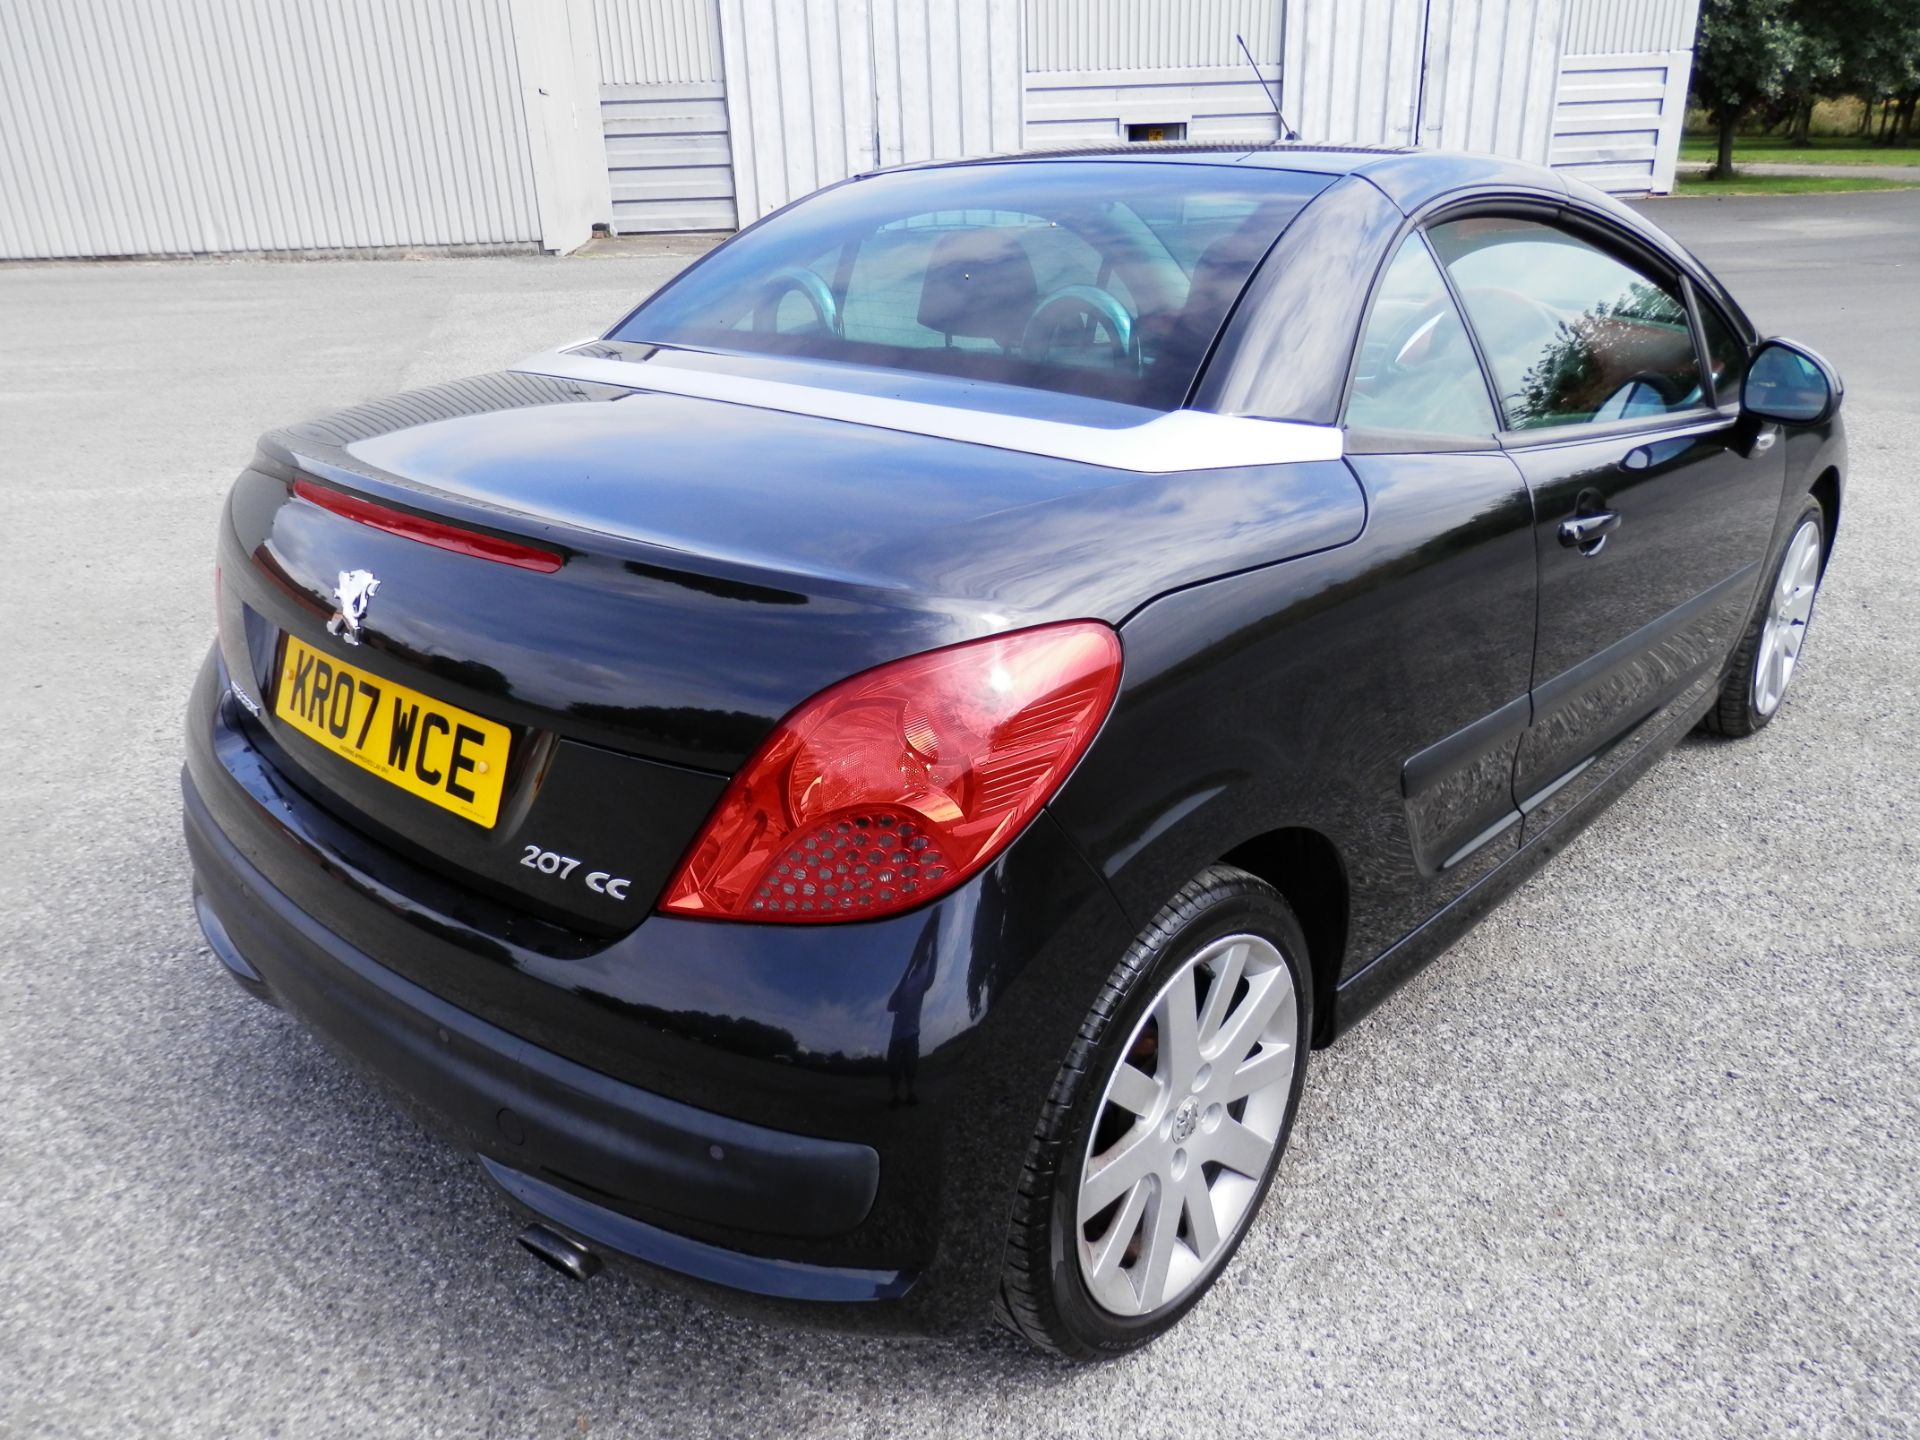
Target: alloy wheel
<point x="1788" y="610"/>
<point x="1187" y="1126"/>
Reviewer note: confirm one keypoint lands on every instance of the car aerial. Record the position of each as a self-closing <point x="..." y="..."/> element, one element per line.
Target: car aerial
<point x="859" y="789"/>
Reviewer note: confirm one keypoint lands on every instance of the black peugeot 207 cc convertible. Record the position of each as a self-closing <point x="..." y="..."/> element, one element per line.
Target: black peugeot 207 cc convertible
<point x="862" y="786"/>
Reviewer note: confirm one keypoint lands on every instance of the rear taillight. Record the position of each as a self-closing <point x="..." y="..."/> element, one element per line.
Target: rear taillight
<point x="428" y="532"/>
<point x="894" y="787"/>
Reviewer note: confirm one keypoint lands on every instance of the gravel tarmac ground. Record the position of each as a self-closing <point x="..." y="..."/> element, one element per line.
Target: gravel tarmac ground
<point x="1637" y="1157"/>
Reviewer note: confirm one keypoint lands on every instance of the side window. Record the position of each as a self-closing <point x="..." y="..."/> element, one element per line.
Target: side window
<point x="1573" y="335"/>
<point x="1417" y="370"/>
<point x="1726" y="355"/>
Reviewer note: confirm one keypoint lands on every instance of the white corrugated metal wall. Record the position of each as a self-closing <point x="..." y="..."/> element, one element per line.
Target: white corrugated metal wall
<point x="1351" y="72"/>
<point x="818" y="90"/>
<point x="1095" y="67"/>
<point x="553" y="40"/>
<point x="220" y="126"/>
<point x="663" y="110"/>
<point x="667" y="42"/>
<point x="1491" y="70"/>
<point x="1625" y="27"/>
<point x="814" y="90"/>
<point x="1449" y="74"/>
<point x="1618" y="118"/>
<point x="1148" y="34"/>
<point x="1622" y="98"/>
<point x="946" y="78"/>
<point x="198" y="127"/>
<point x="800" y="105"/>
<point x="781" y="96"/>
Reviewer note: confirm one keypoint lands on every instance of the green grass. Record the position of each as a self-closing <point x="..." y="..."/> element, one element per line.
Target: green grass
<point x="1825" y="150"/>
<point x="1789" y="185"/>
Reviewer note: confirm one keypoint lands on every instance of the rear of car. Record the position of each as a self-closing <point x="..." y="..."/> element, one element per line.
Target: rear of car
<point x="648" y="777"/>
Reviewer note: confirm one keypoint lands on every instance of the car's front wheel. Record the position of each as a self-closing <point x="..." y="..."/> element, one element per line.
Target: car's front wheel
<point x="1769" y="652"/>
<point x="1165" y="1123"/>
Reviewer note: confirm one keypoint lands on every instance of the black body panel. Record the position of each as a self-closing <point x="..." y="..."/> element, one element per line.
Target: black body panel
<point x="1326" y="679"/>
<point x="680" y="547"/>
<point x="1625" y="628"/>
<point x="679" y="552"/>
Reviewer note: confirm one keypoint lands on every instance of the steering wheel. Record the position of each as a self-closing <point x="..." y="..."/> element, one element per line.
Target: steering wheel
<point x="1412" y="343"/>
<point x="1405" y="376"/>
<point x="796" y="280"/>
<point x="1090" y="306"/>
<point x="1507" y="319"/>
<point x="1663" y="386"/>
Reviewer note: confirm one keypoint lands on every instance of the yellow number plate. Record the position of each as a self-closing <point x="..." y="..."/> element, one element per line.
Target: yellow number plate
<point x="445" y="755"/>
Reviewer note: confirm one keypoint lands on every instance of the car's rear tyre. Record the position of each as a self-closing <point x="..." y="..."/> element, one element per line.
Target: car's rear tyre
<point x="1164" y="1125"/>
<point x="1769" y="653"/>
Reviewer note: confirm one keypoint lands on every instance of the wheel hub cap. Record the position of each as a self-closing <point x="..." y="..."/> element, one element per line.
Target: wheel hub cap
<point x="1184" y="1121"/>
<point x="1187" y="1126"/>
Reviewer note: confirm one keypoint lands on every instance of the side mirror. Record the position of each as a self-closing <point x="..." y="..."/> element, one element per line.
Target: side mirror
<point x="1790" y="384"/>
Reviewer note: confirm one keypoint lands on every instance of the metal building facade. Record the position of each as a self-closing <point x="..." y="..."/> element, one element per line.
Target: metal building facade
<point x="197" y="126"/>
<point x="1622" y="97"/>
<point x="821" y="89"/>
<point x="818" y="89"/>
<point x="1094" y="68"/>
<point x="663" y="111"/>
<point x="1603" y="27"/>
<point x="718" y="111"/>
<point x="1447" y="74"/>
<point x="1597" y="87"/>
<point x="211" y="126"/>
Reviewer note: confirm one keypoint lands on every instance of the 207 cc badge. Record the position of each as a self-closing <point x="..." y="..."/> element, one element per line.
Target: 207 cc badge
<point x="351" y="595"/>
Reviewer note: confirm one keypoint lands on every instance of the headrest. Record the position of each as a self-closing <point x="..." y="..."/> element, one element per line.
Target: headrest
<point x="1225" y="264"/>
<point x="1218" y="276"/>
<point x="979" y="284"/>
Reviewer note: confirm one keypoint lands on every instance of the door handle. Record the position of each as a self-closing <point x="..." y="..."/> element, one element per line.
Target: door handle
<point x="1588" y="533"/>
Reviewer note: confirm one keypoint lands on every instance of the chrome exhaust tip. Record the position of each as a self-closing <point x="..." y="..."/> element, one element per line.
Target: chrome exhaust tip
<point x="551" y="1248"/>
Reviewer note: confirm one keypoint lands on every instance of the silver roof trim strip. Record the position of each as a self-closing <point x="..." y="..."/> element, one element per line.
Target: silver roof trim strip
<point x="1175" y="441"/>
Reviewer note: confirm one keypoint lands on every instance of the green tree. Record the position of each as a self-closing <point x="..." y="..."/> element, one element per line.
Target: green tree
<point x="1570" y="380"/>
<point x="1816" y="61"/>
<point x="1880" y="59"/>
<point x="1868" y="48"/>
<point x="1743" y="57"/>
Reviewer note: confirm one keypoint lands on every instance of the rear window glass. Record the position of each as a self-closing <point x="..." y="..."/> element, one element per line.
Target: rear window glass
<point x="1105" y="278"/>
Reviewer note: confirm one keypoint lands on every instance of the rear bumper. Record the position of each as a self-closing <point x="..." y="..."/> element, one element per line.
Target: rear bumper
<point x="531" y="1110"/>
<point x="776" y="1150"/>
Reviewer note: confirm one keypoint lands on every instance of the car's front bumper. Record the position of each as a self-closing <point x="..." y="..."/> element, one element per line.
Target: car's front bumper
<point x="732" y="1148"/>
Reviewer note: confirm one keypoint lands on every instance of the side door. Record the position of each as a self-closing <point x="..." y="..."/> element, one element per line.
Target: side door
<point x="1454" y="513"/>
<point x="1654" y="506"/>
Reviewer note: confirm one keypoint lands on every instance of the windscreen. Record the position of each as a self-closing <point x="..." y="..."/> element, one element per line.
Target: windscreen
<point x="1108" y="279"/>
